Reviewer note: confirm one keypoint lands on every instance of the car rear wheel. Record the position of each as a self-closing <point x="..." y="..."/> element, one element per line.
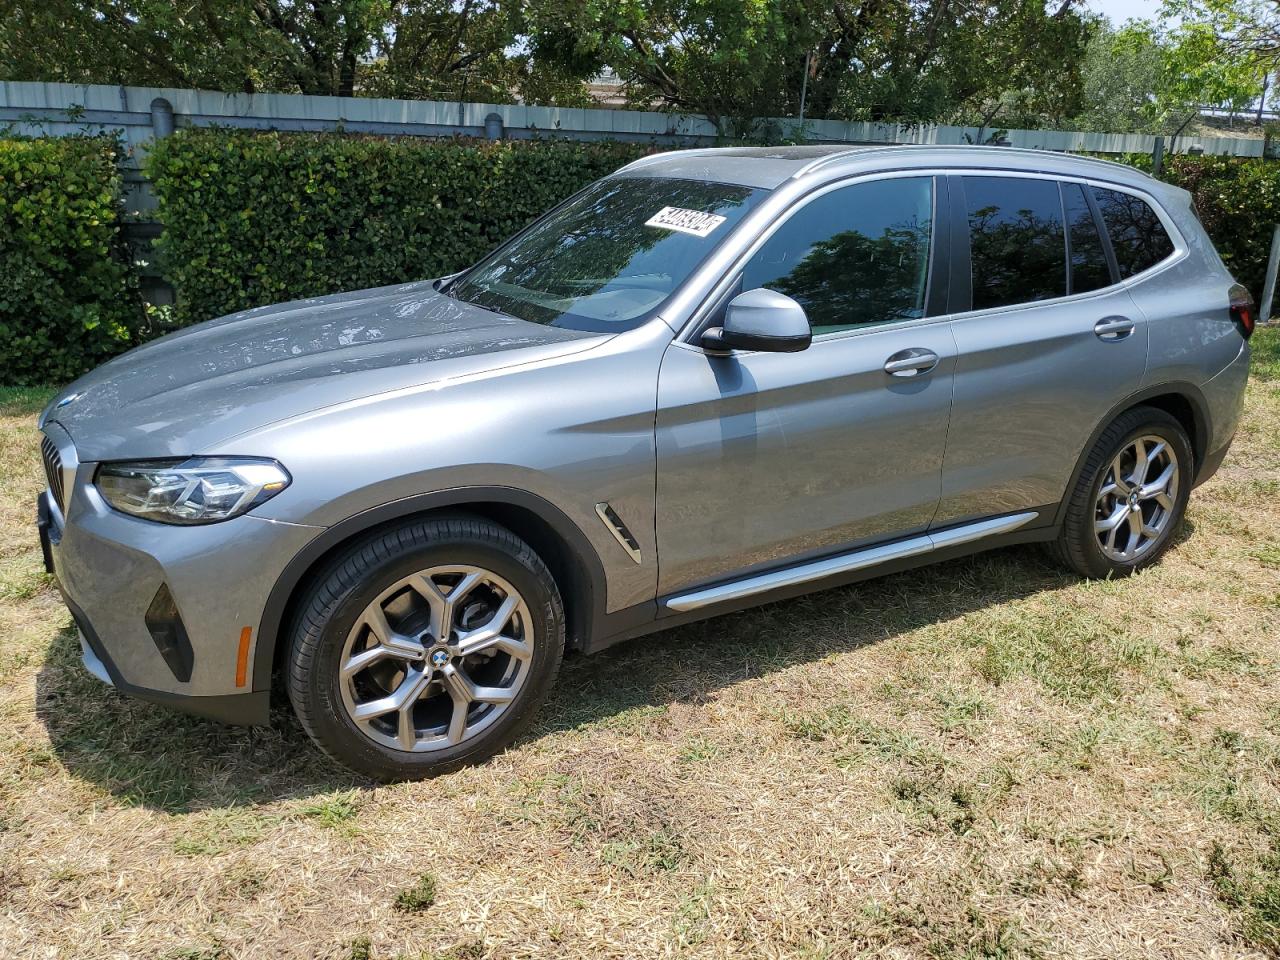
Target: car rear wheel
<point x="1130" y="498"/>
<point x="425" y="648"/>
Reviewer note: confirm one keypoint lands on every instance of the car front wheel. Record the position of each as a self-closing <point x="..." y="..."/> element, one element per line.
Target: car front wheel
<point x="426" y="647"/>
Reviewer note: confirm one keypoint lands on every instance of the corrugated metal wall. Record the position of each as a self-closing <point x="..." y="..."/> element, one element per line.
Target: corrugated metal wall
<point x="61" y="107"/>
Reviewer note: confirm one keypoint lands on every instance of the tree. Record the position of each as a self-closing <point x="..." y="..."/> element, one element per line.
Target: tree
<point x="1122" y="74"/>
<point x="439" y="49"/>
<point x="719" y="58"/>
<point x="1201" y="68"/>
<point x="1154" y="77"/>
<point x="1014" y="60"/>
<point x="733" y="60"/>
<point x="311" y="47"/>
<point x="403" y="48"/>
<point x="1242" y="30"/>
<point x="465" y="50"/>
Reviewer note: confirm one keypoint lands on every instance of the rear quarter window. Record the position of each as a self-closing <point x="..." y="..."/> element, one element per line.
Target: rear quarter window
<point x="1138" y="238"/>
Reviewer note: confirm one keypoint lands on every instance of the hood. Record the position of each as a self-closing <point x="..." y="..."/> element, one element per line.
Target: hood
<point x="186" y="392"/>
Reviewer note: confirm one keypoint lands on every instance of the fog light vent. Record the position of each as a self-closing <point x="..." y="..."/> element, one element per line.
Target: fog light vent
<point x="170" y="634"/>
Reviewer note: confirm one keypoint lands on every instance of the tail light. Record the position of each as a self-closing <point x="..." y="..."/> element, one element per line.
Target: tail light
<point x="1242" y="310"/>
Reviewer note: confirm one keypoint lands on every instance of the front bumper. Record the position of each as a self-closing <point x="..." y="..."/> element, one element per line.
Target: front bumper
<point x="111" y="568"/>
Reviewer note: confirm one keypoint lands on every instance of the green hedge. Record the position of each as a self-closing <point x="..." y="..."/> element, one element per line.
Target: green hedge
<point x="1239" y="204"/>
<point x="1238" y="200"/>
<point x="68" y="296"/>
<point x="254" y="218"/>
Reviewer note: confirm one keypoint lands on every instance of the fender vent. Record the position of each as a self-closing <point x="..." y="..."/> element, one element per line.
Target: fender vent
<point x="619" y="530"/>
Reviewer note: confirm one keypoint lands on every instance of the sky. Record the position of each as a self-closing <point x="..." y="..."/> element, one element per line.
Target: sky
<point x="1121" y="10"/>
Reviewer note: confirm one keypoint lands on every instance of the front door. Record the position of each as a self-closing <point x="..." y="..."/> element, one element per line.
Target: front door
<point x="767" y="458"/>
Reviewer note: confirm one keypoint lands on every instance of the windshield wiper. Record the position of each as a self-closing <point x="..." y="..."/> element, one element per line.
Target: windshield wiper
<point x="483" y="306"/>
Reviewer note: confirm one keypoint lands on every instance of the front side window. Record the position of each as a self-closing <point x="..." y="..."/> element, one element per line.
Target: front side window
<point x="1017" y="248"/>
<point x="609" y="258"/>
<point x="854" y="256"/>
<point x="1138" y="238"/>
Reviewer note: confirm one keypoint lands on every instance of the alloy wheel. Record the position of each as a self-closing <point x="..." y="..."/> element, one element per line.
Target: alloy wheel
<point x="436" y="658"/>
<point x="1135" y="503"/>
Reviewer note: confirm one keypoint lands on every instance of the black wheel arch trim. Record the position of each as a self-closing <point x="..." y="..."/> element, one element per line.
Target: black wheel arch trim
<point x="273" y="620"/>
<point x="1199" y="442"/>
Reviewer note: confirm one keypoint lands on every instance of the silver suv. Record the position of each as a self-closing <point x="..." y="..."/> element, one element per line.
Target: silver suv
<point x="713" y="379"/>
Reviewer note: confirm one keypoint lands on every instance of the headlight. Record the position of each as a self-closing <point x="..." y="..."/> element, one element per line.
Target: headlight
<point x="198" y="490"/>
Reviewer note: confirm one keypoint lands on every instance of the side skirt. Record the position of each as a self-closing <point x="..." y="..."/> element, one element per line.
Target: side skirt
<point x="840" y="570"/>
<point x="846" y="563"/>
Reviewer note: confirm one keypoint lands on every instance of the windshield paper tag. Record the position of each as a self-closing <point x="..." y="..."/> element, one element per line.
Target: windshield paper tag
<point x="685" y="221"/>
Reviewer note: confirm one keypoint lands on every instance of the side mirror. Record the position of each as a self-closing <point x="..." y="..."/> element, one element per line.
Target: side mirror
<point x="761" y="319"/>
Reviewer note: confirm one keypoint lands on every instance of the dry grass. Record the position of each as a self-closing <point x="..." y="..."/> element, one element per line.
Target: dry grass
<point x="983" y="759"/>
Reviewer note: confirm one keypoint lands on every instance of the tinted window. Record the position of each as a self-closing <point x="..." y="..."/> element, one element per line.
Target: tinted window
<point x="854" y="256"/>
<point x="1016" y="241"/>
<point x="610" y="257"/>
<point x="1137" y="235"/>
<point x="1089" y="269"/>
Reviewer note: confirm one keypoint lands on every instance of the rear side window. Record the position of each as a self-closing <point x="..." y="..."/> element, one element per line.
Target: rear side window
<point x="1017" y="248"/>
<point x="1138" y="237"/>
<point x="855" y="256"/>
<point x="1089" y="268"/>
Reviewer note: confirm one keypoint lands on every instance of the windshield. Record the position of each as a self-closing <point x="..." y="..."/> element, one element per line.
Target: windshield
<point x="608" y="258"/>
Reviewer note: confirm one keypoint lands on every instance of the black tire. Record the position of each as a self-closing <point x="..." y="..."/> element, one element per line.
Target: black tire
<point x="347" y="586"/>
<point x="1077" y="546"/>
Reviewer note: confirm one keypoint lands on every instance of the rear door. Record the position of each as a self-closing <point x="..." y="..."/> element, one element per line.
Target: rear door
<point x="765" y="458"/>
<point x="1050" y="344"/>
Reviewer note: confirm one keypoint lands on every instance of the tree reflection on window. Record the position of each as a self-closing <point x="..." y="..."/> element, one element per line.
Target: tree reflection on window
<point x="594" y="264"/>
<point x="855" y="256"/>
<point x="1016" y="240"/>
<point x="1138" y="237"/>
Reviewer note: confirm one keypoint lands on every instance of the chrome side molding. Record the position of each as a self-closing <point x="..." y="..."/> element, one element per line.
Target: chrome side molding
<point x="847" y="562"/>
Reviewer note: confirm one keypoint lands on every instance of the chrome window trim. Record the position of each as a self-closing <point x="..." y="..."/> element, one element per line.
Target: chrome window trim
<point x="794" y="200"/>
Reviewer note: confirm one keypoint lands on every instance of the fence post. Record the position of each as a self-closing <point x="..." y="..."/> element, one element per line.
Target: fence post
<point x="1269" y="288"/>
<point x="1157" y="157"/>
<point x="161" y="118"/>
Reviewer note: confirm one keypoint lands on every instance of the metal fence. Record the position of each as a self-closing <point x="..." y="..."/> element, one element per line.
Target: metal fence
<point x="55" y="108"/>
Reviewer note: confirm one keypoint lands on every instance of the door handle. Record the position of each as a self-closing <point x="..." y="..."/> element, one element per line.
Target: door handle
<point x="1113" y="328"/>
<point x="912" y="362"/>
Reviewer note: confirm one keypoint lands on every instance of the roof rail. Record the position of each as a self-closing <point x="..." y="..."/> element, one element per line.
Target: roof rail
<point x="843" y="155"/>
<point x="1040" y="151"/>
<point x="655" y="157"/>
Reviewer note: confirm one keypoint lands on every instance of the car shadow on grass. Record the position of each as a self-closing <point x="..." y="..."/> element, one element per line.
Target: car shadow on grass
<point x="153" y="756"/>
